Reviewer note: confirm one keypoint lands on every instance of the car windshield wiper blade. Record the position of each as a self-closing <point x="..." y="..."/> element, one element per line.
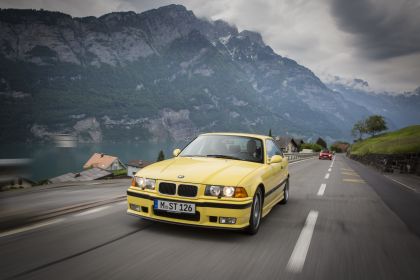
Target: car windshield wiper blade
<point x="224" y="156"/>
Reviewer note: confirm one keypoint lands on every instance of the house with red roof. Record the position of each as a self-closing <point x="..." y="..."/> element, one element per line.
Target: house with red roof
<point x="105" y="162"/>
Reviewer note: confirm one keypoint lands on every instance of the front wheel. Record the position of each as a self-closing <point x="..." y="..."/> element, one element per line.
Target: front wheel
<point x="256" y="210"/>
<point x="285" y="192"/>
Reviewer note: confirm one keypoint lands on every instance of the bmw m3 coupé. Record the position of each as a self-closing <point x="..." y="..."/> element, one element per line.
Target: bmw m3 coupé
<point x="222" y="180"/>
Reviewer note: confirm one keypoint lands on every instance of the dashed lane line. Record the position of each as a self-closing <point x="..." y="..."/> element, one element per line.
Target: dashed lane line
<point x="329" y="169"/>
<point x="327" y="176"/>
<point x="297" y="259"/>
<point x="321" y="189"/>
<point x="332" y="163"/>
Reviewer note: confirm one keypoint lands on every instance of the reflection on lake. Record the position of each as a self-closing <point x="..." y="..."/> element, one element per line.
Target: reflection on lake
<point x="50" y="161"/>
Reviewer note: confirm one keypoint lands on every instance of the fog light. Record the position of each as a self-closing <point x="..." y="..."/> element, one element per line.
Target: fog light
<point x="227" y="220"/>
<point x="135" y="207"/>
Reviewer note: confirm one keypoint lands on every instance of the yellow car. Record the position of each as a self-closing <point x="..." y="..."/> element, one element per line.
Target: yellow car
<point x="222" y="180"/>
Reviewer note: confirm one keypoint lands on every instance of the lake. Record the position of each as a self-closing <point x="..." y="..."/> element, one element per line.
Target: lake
<point x="49" y="161"/>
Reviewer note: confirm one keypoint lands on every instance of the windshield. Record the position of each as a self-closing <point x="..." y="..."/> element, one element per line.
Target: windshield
<point x="225" y="146"/>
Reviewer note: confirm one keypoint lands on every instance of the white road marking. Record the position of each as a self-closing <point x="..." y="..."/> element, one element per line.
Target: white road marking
<point x="402" y="184"/>
<point x="91" y="211"/>
<point x="327" y="175"/>
<point x="350" y="173"/>
<point x="322" y="189"/>
<point x="345" y="169"/>
<point x="300" y="161"/>
<point x="332" y="163"/>
<point x="27" y="228"/>
<point x="329" y="169"/>
<point x="297" y="259"/>
<point x="354" y="180"/>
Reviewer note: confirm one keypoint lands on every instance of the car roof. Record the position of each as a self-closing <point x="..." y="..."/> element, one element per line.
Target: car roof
<point x="239" y="134"/>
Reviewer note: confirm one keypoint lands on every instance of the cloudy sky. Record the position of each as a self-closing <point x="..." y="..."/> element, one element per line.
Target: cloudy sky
<point x="375" y="40"/>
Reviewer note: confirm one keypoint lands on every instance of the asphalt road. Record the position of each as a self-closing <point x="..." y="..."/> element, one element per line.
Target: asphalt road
<point x="345" y="229"/>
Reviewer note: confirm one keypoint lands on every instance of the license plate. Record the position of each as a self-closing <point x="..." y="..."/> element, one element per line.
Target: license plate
<point x="177" y="207"/>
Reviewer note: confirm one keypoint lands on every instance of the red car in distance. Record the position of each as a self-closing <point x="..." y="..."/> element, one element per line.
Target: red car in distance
<point x="325" y="154"/>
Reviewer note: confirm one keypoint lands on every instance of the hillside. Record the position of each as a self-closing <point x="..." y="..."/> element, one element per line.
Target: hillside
<point x="406" y="140"/>
<point x="163" y="75"/>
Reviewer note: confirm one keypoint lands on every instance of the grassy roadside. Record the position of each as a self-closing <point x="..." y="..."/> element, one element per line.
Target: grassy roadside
<point x="405" y="140"/>
<point x="121" y="172"/>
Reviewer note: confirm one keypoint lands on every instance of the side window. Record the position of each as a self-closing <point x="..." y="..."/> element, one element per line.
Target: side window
<point x="272" y="149"/>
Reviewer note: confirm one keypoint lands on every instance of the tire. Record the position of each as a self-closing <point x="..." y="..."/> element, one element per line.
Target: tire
<point x="286" y="193"/>
<point x="256" y="213"/>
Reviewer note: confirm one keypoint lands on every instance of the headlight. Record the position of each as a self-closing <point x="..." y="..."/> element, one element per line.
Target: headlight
<point x="219" y="191"/>
<point x="228" y="191"/>
<point x="213" y="190"/>
<point x="140" y="182"/>
<point x="150" y="184"/>
<point x="145" y="183"/>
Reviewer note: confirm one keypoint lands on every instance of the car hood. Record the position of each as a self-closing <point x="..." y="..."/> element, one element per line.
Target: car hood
<point x="200" y="170"/>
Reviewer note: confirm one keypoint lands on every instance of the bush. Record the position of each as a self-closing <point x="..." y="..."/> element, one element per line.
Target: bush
<point x="121" y="172"/>
<point x="313" y="146"/>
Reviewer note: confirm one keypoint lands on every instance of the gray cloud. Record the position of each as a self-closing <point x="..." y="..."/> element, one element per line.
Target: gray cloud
<point x="377" y="40"/>
<point x="382" y="29"/>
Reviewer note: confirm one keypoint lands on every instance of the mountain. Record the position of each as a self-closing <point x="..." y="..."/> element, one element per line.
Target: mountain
<point x="399" y="110"/>
<point x="163" y="75"/>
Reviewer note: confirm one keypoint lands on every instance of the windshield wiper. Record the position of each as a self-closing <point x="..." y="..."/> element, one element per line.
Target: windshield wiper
<point x="224" y="156"/>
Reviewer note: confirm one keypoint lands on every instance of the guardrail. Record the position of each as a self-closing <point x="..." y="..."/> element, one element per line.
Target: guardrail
<point x="299" y="156"/>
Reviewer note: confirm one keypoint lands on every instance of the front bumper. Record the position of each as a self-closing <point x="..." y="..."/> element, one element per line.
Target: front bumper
<point x="207" y="211"/>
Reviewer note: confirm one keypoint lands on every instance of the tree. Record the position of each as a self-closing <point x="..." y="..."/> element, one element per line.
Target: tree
<point x="269" y="133"/>
<point x="321" y="142"/>
<point x="375" y="124"/>
<point x="339" y="147"/>
<point x="312" y="146"/>
<point x="161" y="156"/>
<point x="359" y="128"/>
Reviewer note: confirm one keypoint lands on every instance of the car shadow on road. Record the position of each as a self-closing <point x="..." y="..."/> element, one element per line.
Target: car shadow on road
<point x="199" y="233"/>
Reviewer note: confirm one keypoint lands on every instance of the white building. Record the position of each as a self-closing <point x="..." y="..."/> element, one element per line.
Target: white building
<point x="134" y="166"/>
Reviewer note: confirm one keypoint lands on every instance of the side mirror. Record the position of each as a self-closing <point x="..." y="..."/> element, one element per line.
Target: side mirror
<point x="276" y="159"/>
<point x="176" y="152"/>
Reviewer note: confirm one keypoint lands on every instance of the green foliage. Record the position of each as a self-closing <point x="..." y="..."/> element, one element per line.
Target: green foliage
<point x="161" y="156"/>
<point x="375" y="124"/>
<point x="371" y="125"/>
<point x="339" y="147"/>
<point x="406" y="140"/>
<point x="313" y="146"/>
<point x="321" y="142"/>
<point x="120" y="172"/>
<point x="359" y="128"/>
